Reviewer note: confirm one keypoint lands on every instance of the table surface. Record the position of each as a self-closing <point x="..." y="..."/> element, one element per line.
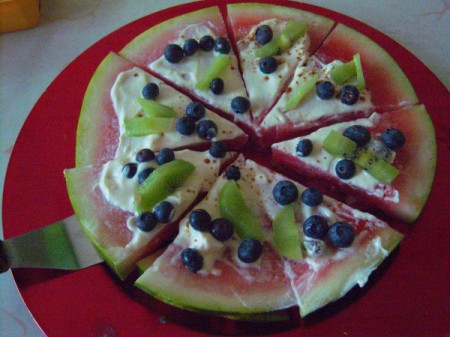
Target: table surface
<point x="31" y="59"/>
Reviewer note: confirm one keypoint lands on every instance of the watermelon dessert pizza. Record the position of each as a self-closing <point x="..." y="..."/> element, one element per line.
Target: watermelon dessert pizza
<point x="308" y="106"/>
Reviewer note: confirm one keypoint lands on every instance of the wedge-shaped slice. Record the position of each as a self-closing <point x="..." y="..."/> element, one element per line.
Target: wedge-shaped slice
<point x="105" y="202"/>
<point x="222" y="283"/>
<point x="148" y="50"/>
<point x="244" y="19"/>
<point x="415" y="162"/>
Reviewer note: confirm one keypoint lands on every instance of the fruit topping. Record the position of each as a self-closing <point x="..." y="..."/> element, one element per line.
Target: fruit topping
<point x="250" y="250"/>
<point x="268" y="64"/>
<point x="285" y="192"/>
<point x="145" y="155"/>
<point x="143" y="126"/>
<point x="165" y="156"/>
<point x="192" y="259"/>
<point x="144" y="174"/>
<point x="185" y="125"/>
<point x="378" y="149"/>
<point x="146" y="221"/>
<point x="233" y="173"/>
<point x="222" y="45"/>
<point x="129" y="170"/>
<point x="349" y="95"/>
<point x="164" y="212"/>
<point x="220" y="64"/>
<point x="358" y="133"/>
<point x="150" y="91"/>
<point x="364" y="159"/>
<point x="325" y="90"/>
<point x="206" y="43"/>
<point x="304" y="148"/>
<point x="154" y="109"/>
<point x="216" y="86"/>
<point x="233" y="208"/>
<point x="302" y="92"/>
<point x="382" y="171"/>
<point x="343" y="72"/>
<point x="218" y="149"/>
<point x="339" y="145"/>
<point x="360" y="81"/>
<point x="200" y="220"/>
<point x="286" y="237"/>
<point x="315" y="227"/>
<point x="207" y="129"/>
<point x="173" y="53"/>
<point x="341" y="234"/>
<point x="240" y="104"/>
<point x="345" y="169"/>
<point x="221" y="229"/>
<point x="263" y="34"/>
<point x="312" y="197"/>
<point x="190" y="47"/>
<point x="393" y="139"/>
<point x="195" y="110"/>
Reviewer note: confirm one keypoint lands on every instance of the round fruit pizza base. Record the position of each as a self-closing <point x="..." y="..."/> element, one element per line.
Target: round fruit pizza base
<point x="406" y="295"/>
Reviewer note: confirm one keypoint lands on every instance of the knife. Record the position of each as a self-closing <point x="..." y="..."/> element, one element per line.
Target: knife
<point x="61" y="245"/>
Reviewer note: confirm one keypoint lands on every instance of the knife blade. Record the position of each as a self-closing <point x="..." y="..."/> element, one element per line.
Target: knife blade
<point x="60" y="245"/>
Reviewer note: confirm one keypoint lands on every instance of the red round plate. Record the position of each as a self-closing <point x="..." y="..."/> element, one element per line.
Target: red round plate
<point x="406" y="296"/>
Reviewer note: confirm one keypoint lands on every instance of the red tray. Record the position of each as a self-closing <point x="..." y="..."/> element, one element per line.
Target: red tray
<point x="406" y="296"/>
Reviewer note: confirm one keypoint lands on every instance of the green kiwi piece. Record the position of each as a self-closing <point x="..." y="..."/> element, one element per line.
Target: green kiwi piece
<point x="303" y="91"/>
<point x="364" y="159"/>
<point x="220" y="64"/>
<point x="143" y="126"/>
<point x="360" y="81"/>
<point x="343" y="72"/>
<point x="286" y="235"/>
<point x="154" y="109"/>
<point x="339" y="145"/>
<point x="382" y="171"/>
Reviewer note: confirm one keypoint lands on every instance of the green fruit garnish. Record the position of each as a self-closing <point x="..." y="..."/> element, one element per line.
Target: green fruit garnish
<point x="294" y="30"/>
<point x="233" y="208"/>
<point x="382" y="171"/>
<point x="303" y="91"/>
<point x="339" y="145"/>
<point x="143" y="126"/>
<point x="155" y="109"/>
<point x="162" y="182"/>
<point x="360" y="82"/>
<point x="220" y="64"/>
<point x="343" y="72"/>
<point x="286" y="236"/>
<point x="364" y="159"/>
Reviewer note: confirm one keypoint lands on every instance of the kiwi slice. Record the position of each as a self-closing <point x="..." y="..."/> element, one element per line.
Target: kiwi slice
<point x="339" y="145"/>
<point x="233" y="208"/>
<point x="303" y="91"/>
<point x="286" y="236"/>
<point x="143" y="126"/>
<point x="364" y="159"/>
<point x="162" y="182"/>
<point x="219" y="65"/>
<point x="343" y="72"/>
<point x="360" y="81"/>
<point x="382" y="171"/>
<point x="154" y="109"/>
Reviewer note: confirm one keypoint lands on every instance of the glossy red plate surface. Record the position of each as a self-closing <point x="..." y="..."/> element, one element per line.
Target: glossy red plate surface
<point x="406" y="296"/>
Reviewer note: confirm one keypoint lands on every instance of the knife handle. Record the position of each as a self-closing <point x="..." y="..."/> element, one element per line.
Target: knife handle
<point x="4" y="262"/>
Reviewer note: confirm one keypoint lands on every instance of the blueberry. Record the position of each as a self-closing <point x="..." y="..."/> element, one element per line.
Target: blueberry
<point x="285" y="192"/>
<point x="233" y="173"/>
<point x="190" y="47"/>
<point x="143" y="175"/>
<point x="173" y="53"/>
<point x="207" y="129"/>
<point x="221" y="229"/>
<point x="164" y="212"/>
<point x="200" y="220"/>
<point x="218" y="149"/>
<point x="250" y="250"/>
<point x="222" y="45"/>
<point x="240" y="104"/>
<point x="268" y="64"/>
<point x="325" y="90"/>
<point x="145" y="155"/>
<point x="192" y="259"/>
<point x="393" y="139"/>
<point x="216" y="86"/>
<point x="315" y="227"/>
<point x="341" y="234"/>
<point x="146" y="221"/>
<point x="206" y="43"/>
<point x="345" y="169"/>
<point x="129" y="170"/>
<point x="304" y="148"/>
<point x="195" y="110"/>
<point x="312" y="197"/>
<point x="185" y="125"/>
<point x="150" y="91"/>
<point x="349" y="94"/>
<point x="358" y="133"/>
<point x="165" y="156"/>
<point x="263" y="34"/>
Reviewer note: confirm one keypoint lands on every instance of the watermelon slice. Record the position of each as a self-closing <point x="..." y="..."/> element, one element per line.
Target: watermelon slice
<point x="244" y="19"/>
<point x="225" y="284"/>
<point x="108" y="212"/>
<point x="404" y="198"/>
<point x="147" y="51"/>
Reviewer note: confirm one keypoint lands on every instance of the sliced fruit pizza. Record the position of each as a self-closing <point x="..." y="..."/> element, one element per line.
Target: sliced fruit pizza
<point x="319" y="101"/>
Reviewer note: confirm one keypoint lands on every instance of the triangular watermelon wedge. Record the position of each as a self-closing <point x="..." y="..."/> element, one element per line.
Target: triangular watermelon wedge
<point x="244" y="19"/>
<point x="405" y="197"/>
<point x="104" y="203"/>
